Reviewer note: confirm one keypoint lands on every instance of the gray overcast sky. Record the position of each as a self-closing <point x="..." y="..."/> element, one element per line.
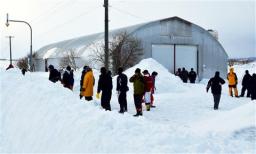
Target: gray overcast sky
<point x="57" y="20"/>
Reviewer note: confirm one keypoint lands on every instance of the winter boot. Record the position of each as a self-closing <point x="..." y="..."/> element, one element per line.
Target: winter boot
<point x="137" y="114"/>
<point x="148" y="107"/>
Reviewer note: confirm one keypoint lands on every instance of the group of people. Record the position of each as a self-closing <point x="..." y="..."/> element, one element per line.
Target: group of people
<point x="67" y="78"/>
<point x="185" y="75"/>
<point x="248" y="83"/>
<point x="144" y="87"/>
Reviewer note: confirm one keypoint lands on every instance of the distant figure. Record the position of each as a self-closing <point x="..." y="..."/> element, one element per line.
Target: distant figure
<point x="138" y="86"/>
<point x="9" y="67"/>
<point x="184" y="75"/>
<point x="72" y="79"/>
<point x="215" y="85"/>
<point x="86" y="89"/>
<point x="153" y="75"/>
<point x="23" y="71"/>
<point x="148" y="88"/>
<point x="246" y="84"/>
<point x="253" y="87"/>
<point x="105" y="85"/>
<point x="85" y="69"/>
<point x="122" y="88"/>
<point x="68" y="79"/>
<point x="192" y="76"/>
<point x="232" y="82"/>
<point x="54" y="75"/>
<point x="178" y="73"/>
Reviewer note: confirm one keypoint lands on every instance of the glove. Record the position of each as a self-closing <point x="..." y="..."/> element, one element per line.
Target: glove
<point x="80" y="96"/>
<point x="82" y="89"/>
<point x="98" y="95"/>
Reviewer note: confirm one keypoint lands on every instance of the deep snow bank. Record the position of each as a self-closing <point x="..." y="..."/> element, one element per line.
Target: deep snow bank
<point x="40" y="116"/>
<point x="168" y="81"/>
<point x="230" y="121"/>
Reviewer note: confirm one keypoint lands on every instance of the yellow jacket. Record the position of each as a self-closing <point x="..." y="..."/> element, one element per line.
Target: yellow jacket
<point x="88" y="84"/>
<point x="232" y="78"/>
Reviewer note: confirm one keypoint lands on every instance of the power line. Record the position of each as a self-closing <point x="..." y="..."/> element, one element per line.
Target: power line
<point x="70" y="20"/>
<point x="60" y="4"/>
<point x="128" y="13"/>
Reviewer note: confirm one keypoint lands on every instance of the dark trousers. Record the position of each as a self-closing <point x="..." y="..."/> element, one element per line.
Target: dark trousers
<point x="216" y="98"/>
<point x="122" y="101"/>
<point x="138" y="102"/>
<point x="89" y="98"/>
<point x="105" y="100"/>
<point x="192" y="81"/>
<point x="244" y="88"/>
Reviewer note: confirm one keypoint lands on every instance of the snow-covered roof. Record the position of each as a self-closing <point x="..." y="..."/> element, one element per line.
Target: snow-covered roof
<point x="80" y="43"/>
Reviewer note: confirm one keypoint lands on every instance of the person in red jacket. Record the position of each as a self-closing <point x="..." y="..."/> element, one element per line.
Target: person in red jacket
<point x="148" y="88"/>
<point x="153" y="75"/>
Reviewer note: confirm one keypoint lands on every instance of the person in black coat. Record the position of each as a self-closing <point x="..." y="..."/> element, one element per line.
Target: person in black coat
<point x="105" y="85"/>
<point x="23" y="71"/>
<point x="253" y="86"/>
<point x="215" y="85"/>
<point x="178" y="72"/>
<point x="184" y="75"/>
<point x="54" y="75"/>
<point x="246" y="84"/>
<point x="122" y="88"/>
<point x="68" y="79"/>
<point x="192" y="76"/>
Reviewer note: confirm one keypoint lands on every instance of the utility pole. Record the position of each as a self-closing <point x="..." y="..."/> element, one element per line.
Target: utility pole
<point x="10" y="42"/>
<point x="106" y="35"/>
<point x="30" y="58"/>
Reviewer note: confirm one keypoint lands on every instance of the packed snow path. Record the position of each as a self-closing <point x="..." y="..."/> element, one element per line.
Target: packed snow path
<point x="39" y="116"/>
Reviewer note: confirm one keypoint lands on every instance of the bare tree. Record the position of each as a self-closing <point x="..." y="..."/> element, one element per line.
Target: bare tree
<point x="125" y="51"/>
<point x="97" y="55"/>
<point x="23" y="63"/>
<point x="69" y="59"/>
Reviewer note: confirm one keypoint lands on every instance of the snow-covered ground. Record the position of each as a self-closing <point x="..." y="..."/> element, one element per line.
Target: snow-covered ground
<point x="40" y="116"/>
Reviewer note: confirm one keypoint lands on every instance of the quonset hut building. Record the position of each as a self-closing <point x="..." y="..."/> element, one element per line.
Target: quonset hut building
<point x="173" y="42"/>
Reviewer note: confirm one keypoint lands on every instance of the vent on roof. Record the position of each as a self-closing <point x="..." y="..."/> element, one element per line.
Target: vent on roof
<point x="214" y="33"/>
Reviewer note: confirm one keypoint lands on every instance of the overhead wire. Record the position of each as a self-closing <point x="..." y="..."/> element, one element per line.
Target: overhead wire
<point x="128" y="13"/>
<point x="60" y="4"/>
<point x="70" y="20"/>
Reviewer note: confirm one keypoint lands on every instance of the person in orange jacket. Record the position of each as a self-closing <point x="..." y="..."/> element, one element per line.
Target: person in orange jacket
<point x="232" y="82"/>
<point x="87" y="85"/>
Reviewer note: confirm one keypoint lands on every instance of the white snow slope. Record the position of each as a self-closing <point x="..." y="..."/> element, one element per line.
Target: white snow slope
<point x="39" y="116"/>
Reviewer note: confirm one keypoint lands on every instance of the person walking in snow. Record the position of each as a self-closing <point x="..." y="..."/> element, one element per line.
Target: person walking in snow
<point x="105" y="85"/>
<point x="184" y="75"/>
<point x="138" y="86"/>
<point x="215" y="85"/>
<point x="232" y="82"/>
<point x="192" y="76"/>
<point x="178" y="73"/>
<point x="253" y="87"/>
<point x="72" y="79"/>
<point x="122" y="88"/>
<point x="23" y="71"/>
<point x="245" y="84"/>
<point x="54" y="75"/>
<point x="86" y="89"/>
<point x="153" y="75"/>
<point x="85" y="69"/>
<point x="148" y="88"/>
<point x="67" y="78"/>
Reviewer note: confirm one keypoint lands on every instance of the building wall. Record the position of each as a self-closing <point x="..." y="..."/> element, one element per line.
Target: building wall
<point x="212" y="56"/>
